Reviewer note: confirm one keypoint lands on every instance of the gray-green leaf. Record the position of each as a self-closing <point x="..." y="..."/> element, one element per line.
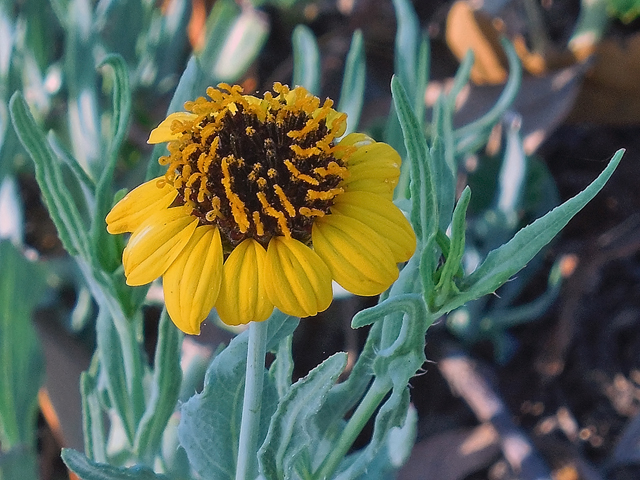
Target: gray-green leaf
<point x="504" y="262"/>
<point x="165" y="389"/>
<point x="306" y="60"/>
<point x="209" y="427"/>
<point x="289" y="439"/>
<point x="89" y="470"/>
<point x="20" y="353"/>
<point x="353" y="82"/>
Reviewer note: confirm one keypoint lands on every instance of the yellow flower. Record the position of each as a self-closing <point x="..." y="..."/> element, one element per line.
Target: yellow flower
<point x="262" y="207"/>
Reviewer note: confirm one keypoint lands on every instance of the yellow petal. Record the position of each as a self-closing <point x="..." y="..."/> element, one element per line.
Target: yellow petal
<point x="359" y="259"/>
<point x="243" y="298"/>
<point x="162" y="133"/>
<point x="192" y="282"/>
<point x="378" y="186"/>
<point x="154" y="246"/>
<point x="298" y="282"/>
<point x="369" y="152"/>
<point x="383" y="217"/>
<point x="139" y="204"/>
<point x="373" y="167"/>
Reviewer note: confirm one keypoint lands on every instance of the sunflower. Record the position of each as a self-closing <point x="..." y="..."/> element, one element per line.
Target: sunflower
<point x="261" y="206"/>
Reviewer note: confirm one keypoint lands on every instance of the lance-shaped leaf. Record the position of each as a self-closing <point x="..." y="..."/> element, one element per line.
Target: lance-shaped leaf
<point x="411" y="66"/>
<point x="165" y="389"/>
<point x="353" y="81"/>
<point x="93" y="428"/>
<point x="444" y="162"/>
<point x="21" y="358"/>
<point x="446" y="286"/>
<point x="424" y="192"/>
<point x="80" y="75"/>
<point x="113" y="371"/>
<point x="505" y="261"/>
<point x="289" y="439"/>
<point x="72" y="230"/>
<point x="473" y="135"/>
<point x="306" y="60"/>
<point x="406" y="44"/>
<point x="242" y="44"/>
<point x="105" y="246"/>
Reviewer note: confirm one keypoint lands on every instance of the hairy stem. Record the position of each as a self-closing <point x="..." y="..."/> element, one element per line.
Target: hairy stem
<point x="252" y="403"/>
<point x="354" y="426"/>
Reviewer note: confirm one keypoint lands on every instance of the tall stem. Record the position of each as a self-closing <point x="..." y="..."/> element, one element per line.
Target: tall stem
<point x="352" y="429"/>
<point x="254" y="378"/>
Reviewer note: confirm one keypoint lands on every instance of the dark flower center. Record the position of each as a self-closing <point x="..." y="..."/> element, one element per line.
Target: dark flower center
<point x="257" y="169"/>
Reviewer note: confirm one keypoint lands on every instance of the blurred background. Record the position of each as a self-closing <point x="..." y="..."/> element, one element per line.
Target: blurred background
<point x="558" y="347"/>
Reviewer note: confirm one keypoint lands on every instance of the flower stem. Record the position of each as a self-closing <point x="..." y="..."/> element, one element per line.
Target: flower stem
<point x="352" y="429"/>
<point x="254" y="378"/>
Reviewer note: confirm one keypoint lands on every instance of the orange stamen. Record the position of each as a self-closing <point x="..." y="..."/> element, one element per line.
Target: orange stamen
<point x="237" y="205"/>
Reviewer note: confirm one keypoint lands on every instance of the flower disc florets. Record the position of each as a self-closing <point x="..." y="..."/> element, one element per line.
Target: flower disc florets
<point x="257" y="168"/>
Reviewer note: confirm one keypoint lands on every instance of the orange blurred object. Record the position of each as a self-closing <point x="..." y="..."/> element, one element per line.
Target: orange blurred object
<point x="196" y="30"/>
<point x="469" y="29"/>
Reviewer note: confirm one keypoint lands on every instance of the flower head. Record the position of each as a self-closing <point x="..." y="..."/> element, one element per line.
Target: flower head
<point x="261" y="206"/>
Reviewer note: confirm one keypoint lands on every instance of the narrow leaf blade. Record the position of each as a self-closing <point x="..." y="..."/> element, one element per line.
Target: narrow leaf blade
<point x="289" y="438"/>
<point x="63" y="212"/>
<point x="505" y="261"/>
<point x="113" y="370"/>
<point x="353" y="82"/>
<point x="92" y="419"/>
<point x="406" y="44"/>
<point x="167" y="377"/>
<point x="20" y="352"/>
<point x="306" y="59"/>
<point x="424" y="200"/>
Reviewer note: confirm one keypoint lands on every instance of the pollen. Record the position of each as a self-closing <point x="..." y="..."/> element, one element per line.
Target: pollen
<point x="305" y="152"/>
<point x="258" y="223"/>
<point x="297" y="175"/>
<point x="284" y="201"/>
<point x="274" y="213"/>
<point x="257" y="168"/>
<point x="332" y="169"/>
<point x="323" y="195"/>
<point x="311" y="212"/>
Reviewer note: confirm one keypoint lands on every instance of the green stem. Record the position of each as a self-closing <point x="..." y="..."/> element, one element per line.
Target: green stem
<point x="356" y="423"/>
<point x="254" y="378"/>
